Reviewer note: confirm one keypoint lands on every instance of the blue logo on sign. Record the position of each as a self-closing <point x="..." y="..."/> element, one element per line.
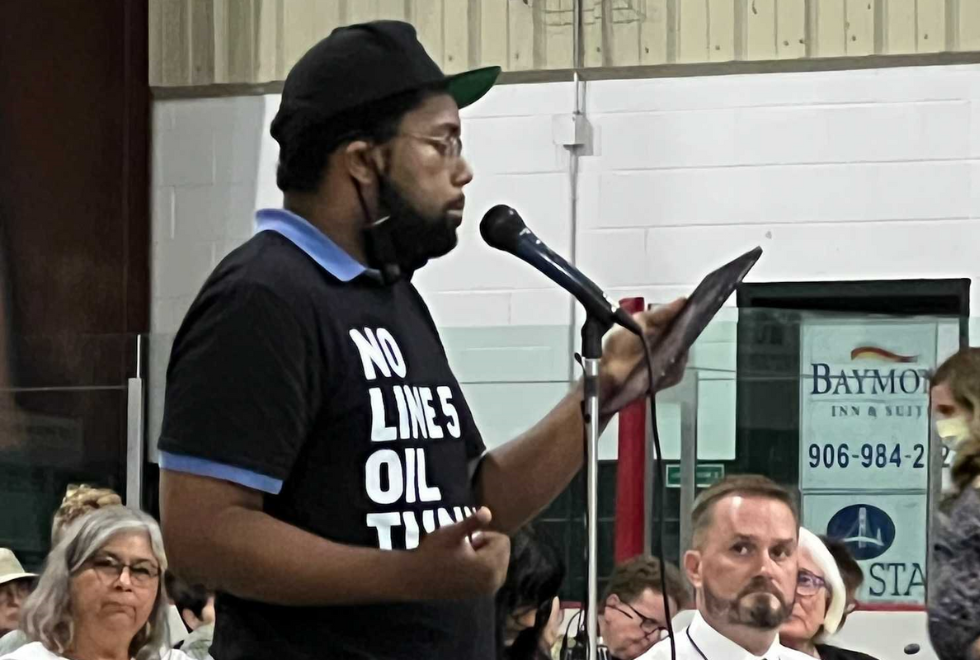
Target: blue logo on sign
<point x="867" y="530"/>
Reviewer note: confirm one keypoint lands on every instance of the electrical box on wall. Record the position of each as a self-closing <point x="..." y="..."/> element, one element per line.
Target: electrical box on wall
<point x="570" y="130"/>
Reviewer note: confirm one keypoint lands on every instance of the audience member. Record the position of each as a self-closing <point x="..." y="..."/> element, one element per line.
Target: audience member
<point x="821" y="600"/>
<point x="525" y="602"/>
<point x="954" y="581"/>
<point x="743" y="566"/>
<point x="631" y="615"/>
<point x="15" y="586"/>
<point x="78" y="501"/>
<point x="850" y="572"/>
<point x="100" y="595"/>
<point x="196" y="606"/>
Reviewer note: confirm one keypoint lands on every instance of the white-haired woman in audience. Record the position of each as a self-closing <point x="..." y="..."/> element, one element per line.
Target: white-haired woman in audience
<point x="821" y="600"/>
<point x="101" y="595"/>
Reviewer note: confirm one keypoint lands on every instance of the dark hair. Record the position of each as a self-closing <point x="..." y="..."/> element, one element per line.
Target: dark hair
<point x="534" y="576"/>
<point x="193" y="597"/>
<point x="634" y="576"/>
<point x="307" y="140"/>
<point x="850" y="570"/>
<point x="746" y="485"/>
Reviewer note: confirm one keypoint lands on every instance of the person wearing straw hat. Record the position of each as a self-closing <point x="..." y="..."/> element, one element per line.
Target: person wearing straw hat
<point x="320" y="466"/>
<point x="15" y="586"/>
<point x="821" y="600"/>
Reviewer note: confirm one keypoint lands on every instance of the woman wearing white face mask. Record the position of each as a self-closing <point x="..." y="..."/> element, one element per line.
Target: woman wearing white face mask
<point x="954" y="618"/>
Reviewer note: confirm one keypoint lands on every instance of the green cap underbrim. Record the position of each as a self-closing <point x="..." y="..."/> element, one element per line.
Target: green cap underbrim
<point x="470" y="86"/>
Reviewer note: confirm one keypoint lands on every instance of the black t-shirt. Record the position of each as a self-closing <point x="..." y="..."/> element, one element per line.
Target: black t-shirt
<point x="342" y="392"/>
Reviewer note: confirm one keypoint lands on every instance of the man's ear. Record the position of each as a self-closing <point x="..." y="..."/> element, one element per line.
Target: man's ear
<point x="692" y="566"/>
<point x="611" y="601"/>
<point x="361" y="161"/>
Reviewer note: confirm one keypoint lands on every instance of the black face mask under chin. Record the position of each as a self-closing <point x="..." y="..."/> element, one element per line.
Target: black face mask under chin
<point x="402" y="240"/>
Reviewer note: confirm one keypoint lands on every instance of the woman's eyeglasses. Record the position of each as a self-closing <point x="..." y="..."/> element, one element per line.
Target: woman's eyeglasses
<point x="111" y="569"/>
<point x="808" y="584"/>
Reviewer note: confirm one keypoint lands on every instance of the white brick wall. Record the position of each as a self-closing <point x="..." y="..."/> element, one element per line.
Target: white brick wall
<point x="865" y="174"/>
<point x="839" y="175"/>
<point x="206" y="183"/>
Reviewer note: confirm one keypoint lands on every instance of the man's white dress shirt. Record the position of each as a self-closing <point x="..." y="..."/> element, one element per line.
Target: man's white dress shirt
<point x="700" y="641"/>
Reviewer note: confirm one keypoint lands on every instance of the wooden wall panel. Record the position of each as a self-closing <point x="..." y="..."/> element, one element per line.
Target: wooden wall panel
<point x="621" y="22"/>
<point x="240" y="40"/>
<point x="155" y="39"/>
<point x="493" y="33"/>
<point x="966" y="25"/>
<point x="299" y="30"/>
<point x="653" y="32"/>
<point x="859" y="27"/>
<point x="327" y="15"/>
<point x="592" y="38"/>
<point x="520" y="36"/>
<point x="558" y="22"/>
<point x="790" y="29"/>
<point x="456" y="36"/>
<point x="201" y="46"/>
<point x="760" y="31"/>
<point x="393" y="10"/>
<point x="361" y="11"/>
<point x="828" y="20"/>
<point x="426" y="16"/>
<point x="898" y="24"/>
<point x="176" y="44"/>
<point x="931" y="25"/>
<point x="202" y="42"/>
<point x="220" y="41"/>
<point x="721" y="30"/>
<point x="692" y="30"/>
<point x="267" y="54"/>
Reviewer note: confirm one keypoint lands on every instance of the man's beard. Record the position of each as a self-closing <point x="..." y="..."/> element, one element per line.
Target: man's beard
<point x="752" y="607"/>
<point x="406" y="240"/>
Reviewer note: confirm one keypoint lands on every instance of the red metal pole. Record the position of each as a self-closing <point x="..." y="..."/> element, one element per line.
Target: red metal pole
<point x="630" y="469"/>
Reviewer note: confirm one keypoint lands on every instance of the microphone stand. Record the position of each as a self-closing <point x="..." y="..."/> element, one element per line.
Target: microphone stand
<point x="592" y="331"/>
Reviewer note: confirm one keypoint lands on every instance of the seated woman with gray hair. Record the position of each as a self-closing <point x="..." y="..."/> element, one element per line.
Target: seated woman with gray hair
<point x="101" y="593"/>
<point x="821" y="603"/>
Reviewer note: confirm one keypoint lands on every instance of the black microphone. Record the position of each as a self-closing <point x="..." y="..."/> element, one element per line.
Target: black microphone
<point x="503" y="228"/>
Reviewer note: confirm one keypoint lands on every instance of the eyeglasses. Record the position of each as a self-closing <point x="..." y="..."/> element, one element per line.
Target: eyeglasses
<point x="647" y="625"/>
<point x="110" y="569"/>
<point x="808" y="584"/>
<point x="449" y="147"/>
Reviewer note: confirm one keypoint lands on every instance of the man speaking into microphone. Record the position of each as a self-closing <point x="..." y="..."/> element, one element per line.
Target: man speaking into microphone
<point x="320" y="466"/>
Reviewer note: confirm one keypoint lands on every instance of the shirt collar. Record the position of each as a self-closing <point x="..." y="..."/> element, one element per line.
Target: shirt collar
<point x="715" y="645"/>
<point x="330" y="256"/>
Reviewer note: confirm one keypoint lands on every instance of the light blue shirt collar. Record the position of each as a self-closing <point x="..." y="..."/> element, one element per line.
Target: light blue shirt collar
<point x="312" y="241"/>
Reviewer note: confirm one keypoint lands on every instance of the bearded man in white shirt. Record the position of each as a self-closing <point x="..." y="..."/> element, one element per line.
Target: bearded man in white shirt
<point x="743" y="566"/>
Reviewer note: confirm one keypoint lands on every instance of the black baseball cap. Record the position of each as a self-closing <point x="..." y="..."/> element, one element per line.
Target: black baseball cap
<point x="361" y="64"/>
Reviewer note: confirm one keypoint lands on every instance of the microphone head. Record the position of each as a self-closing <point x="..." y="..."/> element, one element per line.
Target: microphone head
<point x="501" y="227"/>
